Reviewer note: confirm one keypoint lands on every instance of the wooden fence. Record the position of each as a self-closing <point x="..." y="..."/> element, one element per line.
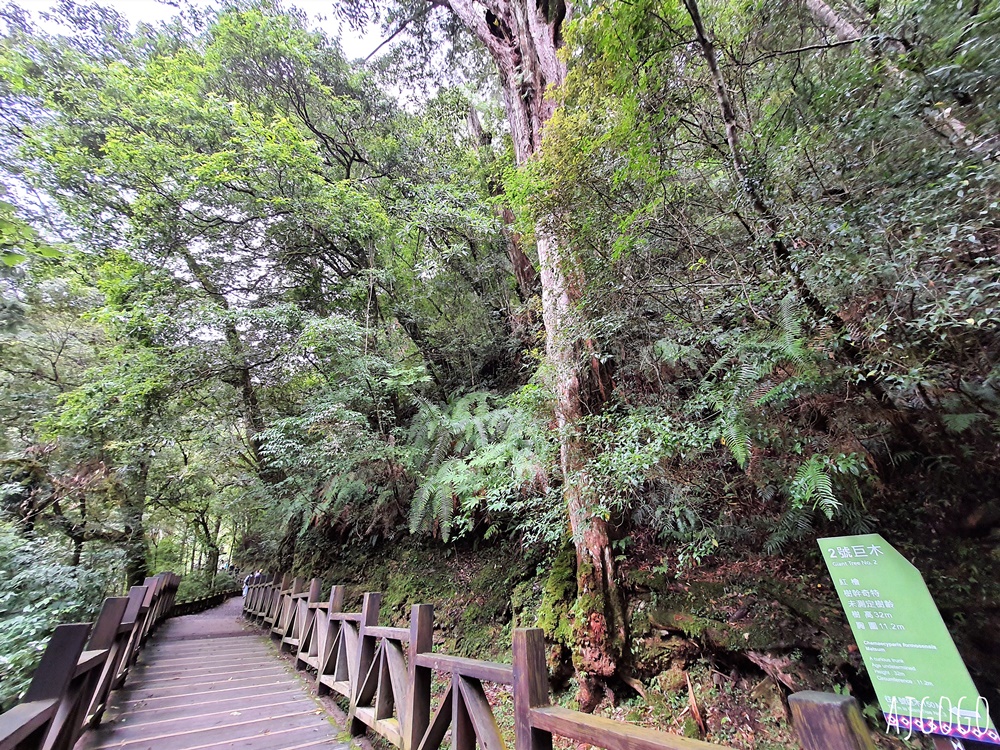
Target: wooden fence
<point x="385" y="675"/>
<point x="71" y="686"/>
<point x="193" y="606"/>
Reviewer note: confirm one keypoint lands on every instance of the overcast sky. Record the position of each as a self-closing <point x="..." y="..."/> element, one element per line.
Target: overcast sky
<point x="151" y="11"/>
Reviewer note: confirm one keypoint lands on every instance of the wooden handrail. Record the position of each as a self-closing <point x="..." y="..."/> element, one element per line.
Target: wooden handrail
<point x="385" y="675"/>
<point x="490" y="671"/>
<point x="24" y="720"/>
<point x="396" y="634"/>
<point x="602" y="732"/>
<point x="70" y="687"/>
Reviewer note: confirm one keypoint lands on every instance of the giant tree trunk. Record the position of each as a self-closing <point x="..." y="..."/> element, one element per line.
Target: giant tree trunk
<point x="522" y="37"/>
<point x="524" y="272"/>
<point x="600" y="634"/>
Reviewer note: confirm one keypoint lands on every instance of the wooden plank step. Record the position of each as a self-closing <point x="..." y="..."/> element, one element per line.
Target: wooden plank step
<point x="245" y="694"/>
<point x="206" y="688"/>
<point x="193" y="736"/>
<point x="237" y="705"/>
<point x="202" y="698"/>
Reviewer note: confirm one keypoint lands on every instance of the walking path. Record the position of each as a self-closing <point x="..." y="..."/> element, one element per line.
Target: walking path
<point x="208" y="682"/>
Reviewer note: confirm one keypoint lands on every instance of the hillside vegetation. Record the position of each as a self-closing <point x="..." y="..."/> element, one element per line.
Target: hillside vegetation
<point x="589" y="316"/>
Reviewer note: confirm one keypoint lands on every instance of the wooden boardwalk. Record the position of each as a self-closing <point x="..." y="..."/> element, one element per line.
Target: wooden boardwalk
<point x="208" y="682"/>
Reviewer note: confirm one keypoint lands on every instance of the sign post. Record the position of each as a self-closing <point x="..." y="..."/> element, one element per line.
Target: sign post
<point x="918" y="674"/>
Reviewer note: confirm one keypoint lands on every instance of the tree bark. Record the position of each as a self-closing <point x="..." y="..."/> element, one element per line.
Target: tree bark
<point x="133" y="508"/>
<point x="523" y="37"/>
<point x="211" y="542"/>
<point x="843" y="29"/>
<point x="524" y="271"/>
<point x="241" y="376"/>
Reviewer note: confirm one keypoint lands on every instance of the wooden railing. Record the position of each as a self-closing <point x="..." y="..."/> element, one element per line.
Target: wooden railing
<point x="385" y="675"/>
<point x="82" y="664"/>
<point x="193" y="606"/>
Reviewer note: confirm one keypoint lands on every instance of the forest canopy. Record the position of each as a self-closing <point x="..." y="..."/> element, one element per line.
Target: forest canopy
<point x="654" y="287"/>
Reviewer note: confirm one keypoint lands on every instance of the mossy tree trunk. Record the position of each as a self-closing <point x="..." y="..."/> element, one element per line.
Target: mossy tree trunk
<point x="523" y="37"/>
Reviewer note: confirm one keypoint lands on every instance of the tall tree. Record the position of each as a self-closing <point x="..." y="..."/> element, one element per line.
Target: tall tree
<point x="523" y="38"/>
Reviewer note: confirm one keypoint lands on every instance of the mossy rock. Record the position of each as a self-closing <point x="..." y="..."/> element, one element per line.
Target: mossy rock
<point x="657" y="652"/>
<point x="525" y="601"/>
<point x="751" y="635"/>
<point x="726" y="617"/>
<point x="653" y="580"/>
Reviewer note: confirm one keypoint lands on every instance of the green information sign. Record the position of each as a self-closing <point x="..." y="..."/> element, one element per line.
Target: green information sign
<point x="918" y="674"/>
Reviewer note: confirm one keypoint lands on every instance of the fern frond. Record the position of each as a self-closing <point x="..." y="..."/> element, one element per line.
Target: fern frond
<point x="418" y="505"/>
<point x="445" y="511"/>
<point x="794" y="524"/>
<point x="790" y="320"/>
<point x="441" y="448"/>
<point x="737" y="439"/>
<point x="812" y="487"/>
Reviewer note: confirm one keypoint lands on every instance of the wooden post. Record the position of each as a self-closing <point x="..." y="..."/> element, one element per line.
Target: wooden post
<point x="366" y="654"/>
<point x="67" y="725"/>
<point x="173" y="581"/>
<point x="285" y="622"/>
<point x="132" y="620"/>
<point x="26" y="725"/>
<point x="58" y="664"/>
<point x="327" y="637"/>
<point x="531" y="688"/>
<point x="337" y="594"/>
<point x="103" y="637"/>
<point x="418" y="711"/>
<point x="152" y="585"/>
<point x="315" y="590"/>
<point x="825" y="721"/>
<point x="305" y="623"/>
<point x="463" y="734"/>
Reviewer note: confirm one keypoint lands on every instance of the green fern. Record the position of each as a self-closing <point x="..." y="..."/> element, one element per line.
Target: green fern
<point x="795" y="523"/>
<point x="745" y="379"/>
<point x="959" y="423"/>
<point x="737" y="438"/>
<point x="419" y="504"/>
<point x="813" y="488"/>
<point x="461" y="452"/>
